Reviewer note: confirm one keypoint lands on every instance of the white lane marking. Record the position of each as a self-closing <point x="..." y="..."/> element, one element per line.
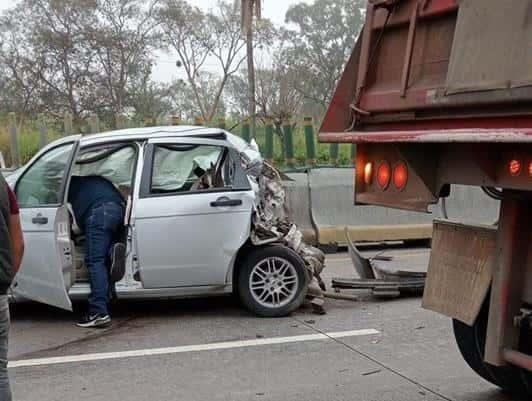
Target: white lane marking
<point x="187" y="348"/>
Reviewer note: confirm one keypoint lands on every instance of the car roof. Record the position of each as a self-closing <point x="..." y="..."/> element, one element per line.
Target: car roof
<point x="153" y="132"/>
<point x="134" y="134"/>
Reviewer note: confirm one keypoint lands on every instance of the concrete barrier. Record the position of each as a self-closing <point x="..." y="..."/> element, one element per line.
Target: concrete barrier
<point x="329" y="197"/>
<point x="298" y="200"/>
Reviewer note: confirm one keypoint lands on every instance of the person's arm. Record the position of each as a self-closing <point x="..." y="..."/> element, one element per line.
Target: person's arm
<point x="15" y="232"/>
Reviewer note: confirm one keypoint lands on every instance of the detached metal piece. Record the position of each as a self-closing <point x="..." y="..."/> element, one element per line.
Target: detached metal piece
<point x="380" y="282"/>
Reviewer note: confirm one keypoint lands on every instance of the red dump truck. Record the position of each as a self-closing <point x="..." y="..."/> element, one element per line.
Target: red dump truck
<point x="437" y="93"/>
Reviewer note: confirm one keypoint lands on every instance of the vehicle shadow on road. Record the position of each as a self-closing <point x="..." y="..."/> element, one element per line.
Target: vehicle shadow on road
<point x="494" y="395"/>
<point x="215" y="306"/>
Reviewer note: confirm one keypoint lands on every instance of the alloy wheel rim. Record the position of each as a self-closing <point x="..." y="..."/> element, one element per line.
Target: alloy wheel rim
<point x="273" y="282"/>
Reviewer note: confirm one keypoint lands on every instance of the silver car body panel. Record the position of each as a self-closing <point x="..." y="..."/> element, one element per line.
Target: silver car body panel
<point x="47" y="270"/>
<point x="194" y="246"/>
<point x="81" y="291"/>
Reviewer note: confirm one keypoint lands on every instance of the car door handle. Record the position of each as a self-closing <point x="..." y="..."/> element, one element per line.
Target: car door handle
<point x="39" y="220"/>
<point x="225" y="201"/>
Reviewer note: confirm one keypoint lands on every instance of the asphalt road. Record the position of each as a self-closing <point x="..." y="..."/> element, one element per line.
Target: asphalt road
<point x="412" y="357"/>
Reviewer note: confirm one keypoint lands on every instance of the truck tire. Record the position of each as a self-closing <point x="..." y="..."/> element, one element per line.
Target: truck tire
<point x="272" y="281"/>
<point x="471" y="342"/>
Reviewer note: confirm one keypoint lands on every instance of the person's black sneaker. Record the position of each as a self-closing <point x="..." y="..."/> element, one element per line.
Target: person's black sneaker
<point x="94" y="321"/>
<point x="118" y="263"/>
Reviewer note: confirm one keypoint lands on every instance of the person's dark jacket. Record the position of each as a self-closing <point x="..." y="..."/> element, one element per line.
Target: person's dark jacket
<point x="6" y="253"/>
<point x="88" y="192"/>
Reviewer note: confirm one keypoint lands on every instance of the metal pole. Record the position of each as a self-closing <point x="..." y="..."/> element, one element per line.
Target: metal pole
<point x="268" y="132"/>
<point x="43" y="132"/>
<point x="120" y="121"/>
<point x="94" y="123"/>
<point x="149" y="122"/>
<point x="288" y="144"/>
<point x="310" y="141"/>
<point x="251" y="68"/>
<point x="333" y="154"/>
<point x="353" y="153"/>
<point x="68" y="125"/>
<point x="13" y="131"/>
<point x="221" y="123"/>
<point x="246" y="135"/>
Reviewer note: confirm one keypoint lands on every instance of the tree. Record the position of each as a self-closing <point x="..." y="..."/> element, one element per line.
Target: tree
<point x="123" y="41"/>
<point x="324" y="35"/>
<point x="49" y="49"/>
<point x="19" y="82"/>
<point x="213" y="38"/>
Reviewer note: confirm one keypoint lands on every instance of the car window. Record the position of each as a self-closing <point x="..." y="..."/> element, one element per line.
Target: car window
<point x="115" y="163"/>
<point x="41" y="183"/>
<point x="182" y="168"/>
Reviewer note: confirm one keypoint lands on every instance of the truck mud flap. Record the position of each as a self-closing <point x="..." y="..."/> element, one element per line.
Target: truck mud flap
<point x="460" y="269"/>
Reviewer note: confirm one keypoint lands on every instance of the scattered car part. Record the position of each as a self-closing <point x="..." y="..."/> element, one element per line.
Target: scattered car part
<point x="380" y="282"/>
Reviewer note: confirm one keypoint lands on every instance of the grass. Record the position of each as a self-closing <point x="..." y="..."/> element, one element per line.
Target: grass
<point x="29" y="143"/>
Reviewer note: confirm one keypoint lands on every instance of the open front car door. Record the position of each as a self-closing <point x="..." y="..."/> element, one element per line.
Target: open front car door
<point x="47" y="268"/>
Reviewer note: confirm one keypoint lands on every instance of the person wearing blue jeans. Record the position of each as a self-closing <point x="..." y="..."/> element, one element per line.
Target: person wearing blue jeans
<point x="99" y="210"/>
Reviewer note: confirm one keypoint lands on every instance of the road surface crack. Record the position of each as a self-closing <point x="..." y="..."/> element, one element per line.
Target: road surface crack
<point x="375" y="361"/>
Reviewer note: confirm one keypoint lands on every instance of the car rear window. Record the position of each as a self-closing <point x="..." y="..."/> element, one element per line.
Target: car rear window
<point x="180" y="168"/>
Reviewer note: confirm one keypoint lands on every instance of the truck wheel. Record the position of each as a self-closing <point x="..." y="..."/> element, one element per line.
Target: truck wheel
<point x="272" y="281"/>
<point x="471" y="342"/>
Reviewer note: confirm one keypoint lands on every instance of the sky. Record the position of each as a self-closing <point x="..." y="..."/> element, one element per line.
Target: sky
<point x="165" y="69"/>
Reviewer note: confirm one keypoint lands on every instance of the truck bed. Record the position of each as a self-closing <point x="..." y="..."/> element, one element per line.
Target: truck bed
<point x="429" y="65"/>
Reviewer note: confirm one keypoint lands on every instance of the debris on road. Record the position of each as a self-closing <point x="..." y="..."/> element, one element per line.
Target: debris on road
<point x="372" y="372"/>
<point x="382" y="282"/>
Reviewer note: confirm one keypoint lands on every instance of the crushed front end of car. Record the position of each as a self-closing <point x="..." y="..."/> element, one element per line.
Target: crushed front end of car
<point x="270" y="224"/>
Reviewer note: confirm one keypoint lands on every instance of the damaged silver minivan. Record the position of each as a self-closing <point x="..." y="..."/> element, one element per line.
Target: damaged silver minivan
<point x="205" y="216"/>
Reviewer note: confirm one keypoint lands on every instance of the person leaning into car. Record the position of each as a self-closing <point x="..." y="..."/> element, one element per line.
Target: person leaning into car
<point x="11" y="252"/>
<point x="99" y="211"/>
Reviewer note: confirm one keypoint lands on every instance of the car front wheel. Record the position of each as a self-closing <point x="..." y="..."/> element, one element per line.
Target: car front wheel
<point x="272" y="281"/>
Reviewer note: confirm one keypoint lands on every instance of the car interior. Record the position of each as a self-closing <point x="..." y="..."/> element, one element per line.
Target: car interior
<point x="115" y="163"/>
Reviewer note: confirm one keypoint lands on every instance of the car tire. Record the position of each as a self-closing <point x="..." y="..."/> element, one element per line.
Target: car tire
<point x="272" y="281"/>
<point x="471" y="342"/>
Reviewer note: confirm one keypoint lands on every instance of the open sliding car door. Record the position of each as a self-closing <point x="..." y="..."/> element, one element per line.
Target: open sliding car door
<point x="47" y="270"/>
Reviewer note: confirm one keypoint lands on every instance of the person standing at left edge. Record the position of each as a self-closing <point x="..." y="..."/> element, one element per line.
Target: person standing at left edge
<point x="11" y="252"/>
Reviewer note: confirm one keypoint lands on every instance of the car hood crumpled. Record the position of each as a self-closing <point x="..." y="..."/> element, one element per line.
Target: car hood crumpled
<point x="270" y="222"/>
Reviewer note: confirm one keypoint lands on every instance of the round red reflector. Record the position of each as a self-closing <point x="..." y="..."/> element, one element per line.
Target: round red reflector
<point x="400" y="176"/>
<point x="368" y="173"/>
<point x="384" y="175"/>
<point x="514" y="167"/>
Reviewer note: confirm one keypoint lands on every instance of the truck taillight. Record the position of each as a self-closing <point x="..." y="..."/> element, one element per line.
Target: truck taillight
<point x="514" y="167"/>
<point x="368" y="173"/>
<point x="530" y="169"/>
<point x="400" y="176"/>
<point x="384" y="175"/>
